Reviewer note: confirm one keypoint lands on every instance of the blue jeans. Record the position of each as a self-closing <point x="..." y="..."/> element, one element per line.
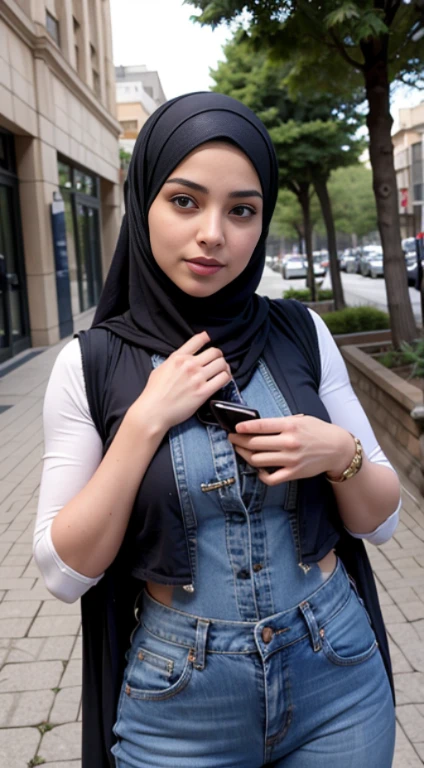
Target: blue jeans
<point x="305" y="688"/>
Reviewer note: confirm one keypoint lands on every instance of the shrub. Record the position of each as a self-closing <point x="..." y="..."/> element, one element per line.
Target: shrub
<point x="356" y="320"/>
<point x="414" y="354"/>
<point x="304" y="294"/>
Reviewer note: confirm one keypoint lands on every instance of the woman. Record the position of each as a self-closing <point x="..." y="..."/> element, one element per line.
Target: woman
<point x="252" y="645"/>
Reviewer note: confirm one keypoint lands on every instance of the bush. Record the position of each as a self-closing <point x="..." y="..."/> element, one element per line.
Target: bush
<point x="408" y="354"/>
<point x="304" y="294"/>
<point x="299" y="294"/>
<point x="356" y="320"/>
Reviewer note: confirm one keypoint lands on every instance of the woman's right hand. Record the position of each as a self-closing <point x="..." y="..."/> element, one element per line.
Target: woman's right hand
<point x="179" y="386"/>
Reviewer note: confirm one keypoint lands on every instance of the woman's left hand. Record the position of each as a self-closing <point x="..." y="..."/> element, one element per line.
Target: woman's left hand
<point x="298" y="446"/>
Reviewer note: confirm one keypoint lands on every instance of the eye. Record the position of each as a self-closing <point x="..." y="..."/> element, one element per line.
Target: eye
<point x="243" y="211"/>
<point x="183" y="201"/>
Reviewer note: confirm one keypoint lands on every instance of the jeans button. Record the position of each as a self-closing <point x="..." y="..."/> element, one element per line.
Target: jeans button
<point x="267" y="634"/>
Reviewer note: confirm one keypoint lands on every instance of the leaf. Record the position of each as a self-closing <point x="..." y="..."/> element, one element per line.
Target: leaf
<point x="346" y="12"/>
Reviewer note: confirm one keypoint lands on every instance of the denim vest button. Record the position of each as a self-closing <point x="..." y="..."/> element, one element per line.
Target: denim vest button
<point x="267" y="634"/>
<point x="243" y="574"/>
<point x="257" y="567"/>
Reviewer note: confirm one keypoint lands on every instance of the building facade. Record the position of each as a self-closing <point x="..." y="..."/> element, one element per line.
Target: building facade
<point x="408" y="143"/>
<point x="139" y="93"/>
<point x="58" y="139"/>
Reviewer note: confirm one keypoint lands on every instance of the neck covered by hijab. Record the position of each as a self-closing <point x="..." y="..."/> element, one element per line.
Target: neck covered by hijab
<point x="139" y="302"/>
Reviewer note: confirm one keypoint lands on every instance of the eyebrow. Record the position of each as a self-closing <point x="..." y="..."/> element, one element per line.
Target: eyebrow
<point x="200" y="188"/>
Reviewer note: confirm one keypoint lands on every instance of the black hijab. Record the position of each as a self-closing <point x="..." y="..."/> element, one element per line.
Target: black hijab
<point x="139" y="302"/>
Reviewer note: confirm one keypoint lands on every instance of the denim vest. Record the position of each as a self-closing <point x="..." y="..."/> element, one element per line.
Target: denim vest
<point x="242" y="534"/>
<point x="157" y="544"/>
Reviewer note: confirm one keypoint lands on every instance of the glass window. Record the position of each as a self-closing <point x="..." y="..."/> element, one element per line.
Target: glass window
<point x="65" y="176"/>
<point x="71" y="249"/>
<point x="78" y="180"/>
<point x="52" y="26"/>
<point x="128" y="125"/>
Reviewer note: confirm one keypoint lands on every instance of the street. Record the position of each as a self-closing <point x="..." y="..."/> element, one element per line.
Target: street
<point x="357" y="290"/>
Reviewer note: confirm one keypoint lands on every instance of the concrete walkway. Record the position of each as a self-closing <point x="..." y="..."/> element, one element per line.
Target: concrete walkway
<point x="40" y="643"/>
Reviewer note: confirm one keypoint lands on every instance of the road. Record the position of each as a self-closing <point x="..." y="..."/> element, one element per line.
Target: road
<point x="357" y="290"/>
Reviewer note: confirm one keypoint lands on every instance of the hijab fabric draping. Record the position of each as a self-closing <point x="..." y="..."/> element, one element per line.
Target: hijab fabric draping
<point x="139" y="302"/>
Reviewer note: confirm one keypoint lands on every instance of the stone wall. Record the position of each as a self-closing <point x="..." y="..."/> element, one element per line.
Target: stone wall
<point x="388" y="401"/>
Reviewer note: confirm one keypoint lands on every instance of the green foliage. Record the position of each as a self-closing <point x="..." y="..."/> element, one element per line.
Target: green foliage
<point x="414" y="354"/>
<point x="288" y="219"/>
<point x="408" y="354"/>
<point x="44" y="727"/>
<point x="304" y="294"/>
<point x="330" y="42"/>
<point x="353" y="200"/>
<point x="124" y="158"/>
<point x="356" y="320"/>
<point x="301" y="294"/>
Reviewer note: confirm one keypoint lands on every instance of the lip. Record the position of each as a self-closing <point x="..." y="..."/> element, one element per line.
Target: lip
<point x="204" y="266"/>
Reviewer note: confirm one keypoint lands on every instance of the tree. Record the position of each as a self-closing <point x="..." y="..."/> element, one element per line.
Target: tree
<point x="288" y="218"/>
<point x="375" y="42"/>
<point x="353" y="200"/>
<point x="311" y="136"/>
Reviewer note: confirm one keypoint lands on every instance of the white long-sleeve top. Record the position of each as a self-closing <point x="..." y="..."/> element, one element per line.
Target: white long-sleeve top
<point x="73" y="451"/>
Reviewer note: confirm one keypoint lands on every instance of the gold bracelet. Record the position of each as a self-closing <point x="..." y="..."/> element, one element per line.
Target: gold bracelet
<point x="355" y="464"/>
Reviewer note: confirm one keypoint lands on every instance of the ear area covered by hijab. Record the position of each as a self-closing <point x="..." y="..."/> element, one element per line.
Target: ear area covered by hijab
<point x="139" y="302"/>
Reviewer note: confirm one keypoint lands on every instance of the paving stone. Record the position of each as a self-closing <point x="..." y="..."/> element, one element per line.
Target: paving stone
<point x="58" y="608"/>
<point x="28" y="708"/>
<point x="17" y="583"/>
<point x="410" y="688"/>
<point x="37" y="593"/>
<point x="413" y="611"/>
<point x="66" y="706"/>
<point x="55" y="625"/>
<point x="9" y="610"/>
<point x="33" y="676"/>
<point x="399" y="662"/>
<point x="57" y="647"/>
<point x="411" y="721"/>
<point x="405" y="754"/>
<point x="392" y="614"/>
<point x="77" y="651"/>
<point x="10" y="572"/>
<point x="25" y="649"/>
<point x="420" y="749"/>
<point x="405" y="595"/>
<point x="16" y="560"/>
<point x="73" y="674"/>
<point x="18" y="746"/>
<point x="14" y="627"/>
<point x="64" y="742"/>
<point x="67" y="764"/>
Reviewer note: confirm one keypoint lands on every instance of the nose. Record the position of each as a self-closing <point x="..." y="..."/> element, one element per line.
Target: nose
<point x="211" y="231"/>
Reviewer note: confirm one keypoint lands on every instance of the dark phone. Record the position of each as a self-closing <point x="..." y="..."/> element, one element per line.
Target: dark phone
<point x="228" y="415"/>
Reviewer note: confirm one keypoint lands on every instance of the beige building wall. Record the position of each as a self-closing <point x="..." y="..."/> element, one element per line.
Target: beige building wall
<point x="131" y="113"/>
<point x="58" y="99"/>
<point x="410" y="132"/>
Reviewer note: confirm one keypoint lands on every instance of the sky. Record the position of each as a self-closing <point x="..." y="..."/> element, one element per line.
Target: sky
<point x="159" y="33"/>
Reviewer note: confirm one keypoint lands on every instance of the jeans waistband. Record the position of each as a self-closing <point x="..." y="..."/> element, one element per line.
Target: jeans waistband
<point x="240" y="637"/>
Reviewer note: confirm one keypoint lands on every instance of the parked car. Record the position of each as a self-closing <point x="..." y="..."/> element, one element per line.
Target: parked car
<point x="369" y="253"/>
<point x="353" y="260"/>
<point x="319" y="268"/>
<point x="376" y="266"/>
<point x="295" y="266"/>
<point x="343" y="258"/>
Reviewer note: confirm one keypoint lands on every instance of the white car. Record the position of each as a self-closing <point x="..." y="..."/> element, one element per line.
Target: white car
<point x="295" y="266"/>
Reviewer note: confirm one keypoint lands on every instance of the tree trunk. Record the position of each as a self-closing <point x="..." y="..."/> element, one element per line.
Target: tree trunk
<point x="304" y="200"/>
<point x="379" y="121"/>
<point x="321" y="189"/>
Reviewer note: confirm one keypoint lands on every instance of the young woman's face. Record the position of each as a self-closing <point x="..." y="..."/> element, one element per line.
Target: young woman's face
<point x="206" y="220"/>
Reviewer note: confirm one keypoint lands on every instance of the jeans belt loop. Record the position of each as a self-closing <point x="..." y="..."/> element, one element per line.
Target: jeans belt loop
<point x="312" y="625"/>
<point x="201" y="638"/>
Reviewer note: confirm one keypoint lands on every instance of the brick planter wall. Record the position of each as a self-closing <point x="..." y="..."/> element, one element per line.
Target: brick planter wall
<point x="388" y="401"/>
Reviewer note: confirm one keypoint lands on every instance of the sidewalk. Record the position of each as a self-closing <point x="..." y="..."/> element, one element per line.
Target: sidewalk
<point x="40" y="643"/>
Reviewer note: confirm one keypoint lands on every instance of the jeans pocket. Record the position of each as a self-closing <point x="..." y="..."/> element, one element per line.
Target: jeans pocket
<point x="348" y="637"/>
<point x="157" y="669"/>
